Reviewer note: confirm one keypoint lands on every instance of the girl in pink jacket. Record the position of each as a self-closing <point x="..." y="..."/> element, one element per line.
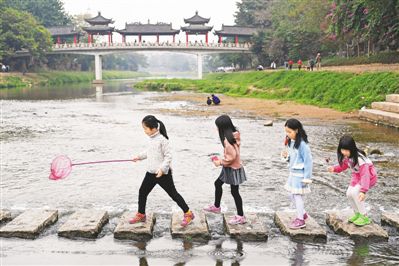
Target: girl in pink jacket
<point x="364" y="177"/>
<point x="232" y="170"/>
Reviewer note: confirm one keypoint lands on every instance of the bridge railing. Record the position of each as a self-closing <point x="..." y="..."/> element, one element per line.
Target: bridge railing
<point x="245" y="45"/>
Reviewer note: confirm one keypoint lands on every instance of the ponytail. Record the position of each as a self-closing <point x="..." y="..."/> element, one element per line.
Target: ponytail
<point x="151" y="121"/>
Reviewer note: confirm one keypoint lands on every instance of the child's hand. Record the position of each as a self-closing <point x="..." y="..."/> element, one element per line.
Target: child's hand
<point x="217" y="162"/>
<point x="284" y="154"/>
<point x="330" y="169"/>
<point x="135" y="159"/>
<point x="362" y="196"/>
<point x="159" y="173"/>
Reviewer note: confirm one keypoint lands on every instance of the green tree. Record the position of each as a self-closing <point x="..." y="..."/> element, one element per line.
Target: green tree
<point x="47" y="12"/>
<point x="20" y="31"/>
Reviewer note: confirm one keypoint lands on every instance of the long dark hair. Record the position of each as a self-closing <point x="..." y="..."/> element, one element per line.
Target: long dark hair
<point x="294" y="124"/>
<point x="226" y="129"/>
<point x="151" y="121"/>
<point x="346" y="142"/>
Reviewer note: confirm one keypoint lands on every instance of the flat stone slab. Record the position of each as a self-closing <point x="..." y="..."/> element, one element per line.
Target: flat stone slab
<point x="312" y="232"/>
<point x="5" y="216"/>
<point x="253" y="230"/>
<point x="84" y="223"/>
<point x="197" y="230"/>
<point x="390" y="218"/>
<point x="338" y="221"/>
<point x="381" y="117"/>
<point x="138" y="231"/>
<point x="29" y="224"/>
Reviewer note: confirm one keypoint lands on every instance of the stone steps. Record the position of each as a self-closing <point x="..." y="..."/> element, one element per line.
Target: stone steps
<point x="393" y="98"/>
<point x="385" y="113"/>
<point x="386" y="106"/>
<point x="89" y="223"/>
<point x="380" y="117"/>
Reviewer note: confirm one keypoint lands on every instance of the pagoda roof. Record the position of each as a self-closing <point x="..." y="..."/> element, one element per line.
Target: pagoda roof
<point x="64" y="30"/>
<point x="196" y="19"/>
<point x="236" y="30"/>
<point x="148" y="29"/>
<point x="196" y="28"/>
<point x="99" y="20"/>
<point x="98" y="28"/>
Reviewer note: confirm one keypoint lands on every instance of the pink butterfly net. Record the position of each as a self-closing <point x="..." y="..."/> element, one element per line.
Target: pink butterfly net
<point x="61" y="166"/>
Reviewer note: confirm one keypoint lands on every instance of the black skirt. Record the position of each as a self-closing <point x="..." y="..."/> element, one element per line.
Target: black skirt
<point x="233" y="176"/>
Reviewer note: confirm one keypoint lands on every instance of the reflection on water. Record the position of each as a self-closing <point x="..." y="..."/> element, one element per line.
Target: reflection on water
<point x="90" y="123"/>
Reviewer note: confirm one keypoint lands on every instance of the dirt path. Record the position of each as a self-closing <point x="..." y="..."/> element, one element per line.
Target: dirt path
<point x="268" y="109"/>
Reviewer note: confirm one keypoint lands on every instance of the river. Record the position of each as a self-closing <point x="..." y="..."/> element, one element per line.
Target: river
<point x="88" y="124"/>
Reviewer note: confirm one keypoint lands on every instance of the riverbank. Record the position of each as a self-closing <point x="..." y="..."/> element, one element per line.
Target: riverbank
<point x="336" y="90"/>
<point x="16" y="79"/>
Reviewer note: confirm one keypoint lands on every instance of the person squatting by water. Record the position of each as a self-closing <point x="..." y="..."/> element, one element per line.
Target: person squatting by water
<point x="232" y="170"/>
<point x="159" y="169"/>
<point x="215" y="99"/>
<point x="300" y="168"/>
<point x="364" y="177"/>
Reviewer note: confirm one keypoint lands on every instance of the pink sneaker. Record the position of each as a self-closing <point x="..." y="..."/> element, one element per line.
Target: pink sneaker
<point x="297" y="224"/>
<point x="213" y="208"/>
<point x="237" y="219"/>
<point x="138" y="218"/>
<point x="187" y="218"/>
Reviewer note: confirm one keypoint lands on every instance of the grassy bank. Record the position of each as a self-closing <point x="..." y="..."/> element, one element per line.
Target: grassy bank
<point x="341" y="91"/>
<point x="12" y="80"/>
<point x="383" y="58"/>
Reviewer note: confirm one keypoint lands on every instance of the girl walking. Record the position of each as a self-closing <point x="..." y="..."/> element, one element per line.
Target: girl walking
<point x="300" y="168"/>
<point x="364" y="176"/>
<point x="232" y="170"/>
<point x="159" y="170"/>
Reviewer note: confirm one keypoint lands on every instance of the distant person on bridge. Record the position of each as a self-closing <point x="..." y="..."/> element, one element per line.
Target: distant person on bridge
<point x="215" y="99"/>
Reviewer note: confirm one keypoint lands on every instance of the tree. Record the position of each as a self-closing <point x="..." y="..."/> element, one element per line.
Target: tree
<point x="47" y="12"/>
<point x="20" y="31"/>
<point x="364" y="23"/>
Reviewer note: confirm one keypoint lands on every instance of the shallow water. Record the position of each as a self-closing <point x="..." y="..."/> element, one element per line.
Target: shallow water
<point x="89" y="124"/>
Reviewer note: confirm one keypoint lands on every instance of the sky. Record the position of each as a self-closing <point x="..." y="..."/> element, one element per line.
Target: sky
<point x="168" y="11"/>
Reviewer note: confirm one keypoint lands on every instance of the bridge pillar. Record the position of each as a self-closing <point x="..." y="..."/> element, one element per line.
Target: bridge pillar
<point x="98" y="65"/>
<point x="199" y="66"/>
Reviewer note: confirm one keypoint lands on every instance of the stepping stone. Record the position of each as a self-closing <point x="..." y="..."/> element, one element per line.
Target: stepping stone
<point x="84" y="223"/>
<point x="390" y="218"/>
<point x="338" y="221"/>
<point x="312" y="232"/>
<point x="5" y="216"/>
<point x="197" y="230"/>
<point x="253" y="230"/>
<point x="29" y="224"/>
<point x="138" y="231"/>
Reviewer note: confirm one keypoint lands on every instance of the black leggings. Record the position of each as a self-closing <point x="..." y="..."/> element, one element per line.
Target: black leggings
<point x="234" y="192"/>
<point x="166" y="182"/>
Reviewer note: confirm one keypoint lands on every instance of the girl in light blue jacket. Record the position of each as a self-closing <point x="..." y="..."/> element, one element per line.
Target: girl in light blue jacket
<point x="300" y="168"/>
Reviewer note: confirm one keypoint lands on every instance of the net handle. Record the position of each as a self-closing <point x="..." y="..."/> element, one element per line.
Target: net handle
<point x="110" y="161"/>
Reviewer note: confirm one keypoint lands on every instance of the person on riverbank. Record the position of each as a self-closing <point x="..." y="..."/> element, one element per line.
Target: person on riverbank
<point x="318" y="61"/>
<point x="209" y="101"/>
<point x="364" y="177"/>
<point x="299" y="63"/>
<point x="299" y="157"/>
<point x="215" y="99"/>
<point x="159" y="169"/>
<point x="290" y="64"/>
<point x="232" y="169"/>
